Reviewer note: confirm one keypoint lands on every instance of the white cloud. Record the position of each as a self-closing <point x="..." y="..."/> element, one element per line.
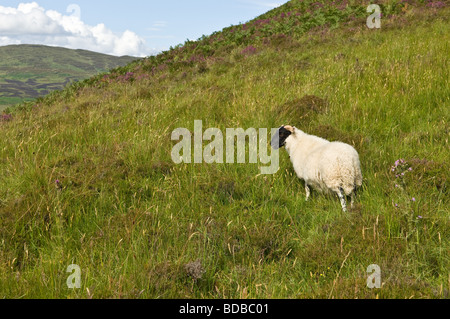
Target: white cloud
<point x="29" y="23"/>
<point x="265" y="4"/>
<point x="7" y="41"/>
<point x="160" y="24"/>
<point x="157" y="26"/>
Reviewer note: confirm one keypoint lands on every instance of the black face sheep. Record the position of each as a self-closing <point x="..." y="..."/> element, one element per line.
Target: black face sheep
<point x="326" y="166"/>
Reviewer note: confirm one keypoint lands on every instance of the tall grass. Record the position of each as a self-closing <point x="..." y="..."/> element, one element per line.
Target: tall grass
<point x="87" y="178"/>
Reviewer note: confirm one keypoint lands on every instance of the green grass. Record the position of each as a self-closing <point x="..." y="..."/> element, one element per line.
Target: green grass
<point x="132" y="219"/>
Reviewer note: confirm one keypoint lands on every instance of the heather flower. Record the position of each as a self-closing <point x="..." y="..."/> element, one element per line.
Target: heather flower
<point x="129" y="76"/>
<point x="6" y="118"/>
<point x="436" y="4"/>
<point x="142" y="76"/>
<point x="197" y="58"/>
<point x="261" y="22"/>
<point x="400" y="168"/>
<point x="250" y="50"/>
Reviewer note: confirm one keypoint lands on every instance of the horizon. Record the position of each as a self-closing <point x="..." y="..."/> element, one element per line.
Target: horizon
<point x="147" y="29"/>
<point x="59" y="47"/>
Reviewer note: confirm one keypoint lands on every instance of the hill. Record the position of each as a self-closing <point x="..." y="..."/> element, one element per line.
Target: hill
<point x="87" y="176"/>
<point x="31" y="71"/>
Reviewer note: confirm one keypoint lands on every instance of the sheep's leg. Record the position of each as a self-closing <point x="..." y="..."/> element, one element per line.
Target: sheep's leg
<point x="341" y="195"/>
<point x="352" y="199"/>
<point x="308" y="192"/>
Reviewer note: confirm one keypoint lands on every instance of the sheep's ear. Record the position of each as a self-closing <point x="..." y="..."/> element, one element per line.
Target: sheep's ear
<point x="279" y="139"/>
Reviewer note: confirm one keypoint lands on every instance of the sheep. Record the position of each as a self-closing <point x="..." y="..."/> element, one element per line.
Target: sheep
<point x="326" y="166"/>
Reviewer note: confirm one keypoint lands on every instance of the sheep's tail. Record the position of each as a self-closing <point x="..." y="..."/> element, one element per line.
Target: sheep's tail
<point x="358" y="180"/>
<point x="357" y="172"/>
<point x="351" y="176"/>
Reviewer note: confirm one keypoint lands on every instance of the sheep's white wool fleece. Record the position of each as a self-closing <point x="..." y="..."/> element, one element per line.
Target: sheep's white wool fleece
<point x="326" y="166"/>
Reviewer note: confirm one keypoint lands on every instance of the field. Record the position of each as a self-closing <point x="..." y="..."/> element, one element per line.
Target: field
<point x="87" y="178"/>
<point x="31" y="71"/>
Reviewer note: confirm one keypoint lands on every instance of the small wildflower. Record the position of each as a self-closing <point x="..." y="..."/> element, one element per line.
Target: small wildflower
<point x="419" y="217"/>
<point x="413" y="199"/>
<point x="396" y="205"/>
<point x="250" y="50"/>
<point x="5" y="117"/>
<point x="58" y="184"/>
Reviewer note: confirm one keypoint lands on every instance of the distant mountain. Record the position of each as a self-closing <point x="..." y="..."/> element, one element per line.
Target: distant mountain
<point x="30" y="71"/>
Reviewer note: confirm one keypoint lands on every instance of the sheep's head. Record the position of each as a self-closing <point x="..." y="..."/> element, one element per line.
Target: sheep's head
<point x="279" y="139"/>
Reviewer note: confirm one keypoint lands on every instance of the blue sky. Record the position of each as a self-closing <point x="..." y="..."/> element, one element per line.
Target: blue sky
<point x="152" y="25"/>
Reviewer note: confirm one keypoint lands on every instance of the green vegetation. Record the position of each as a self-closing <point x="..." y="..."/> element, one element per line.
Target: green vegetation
<point x="86" y="175"/>
<point x="30" y="71"/>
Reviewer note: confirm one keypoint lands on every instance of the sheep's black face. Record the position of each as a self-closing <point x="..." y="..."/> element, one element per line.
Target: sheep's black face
<point x="279" y="139"/>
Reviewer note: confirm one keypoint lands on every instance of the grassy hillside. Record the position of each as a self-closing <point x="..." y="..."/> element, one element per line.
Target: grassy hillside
<point x="30" y="71"/>
<point x="86" y="175"/>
